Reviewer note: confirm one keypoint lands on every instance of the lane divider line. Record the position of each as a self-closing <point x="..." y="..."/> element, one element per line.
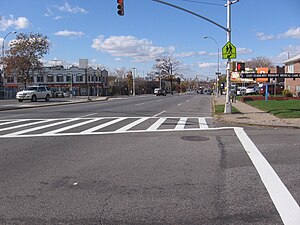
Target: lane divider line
<point x="284" y="202"/>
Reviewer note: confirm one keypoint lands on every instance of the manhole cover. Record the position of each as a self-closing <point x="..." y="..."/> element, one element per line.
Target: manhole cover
<point x="194" y="138"/>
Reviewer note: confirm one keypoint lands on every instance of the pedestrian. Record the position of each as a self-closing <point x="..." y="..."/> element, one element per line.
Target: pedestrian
<point x="233" y="96"/>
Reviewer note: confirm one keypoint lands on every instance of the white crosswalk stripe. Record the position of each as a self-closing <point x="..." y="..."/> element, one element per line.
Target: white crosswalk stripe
<point x="102" y="125"/>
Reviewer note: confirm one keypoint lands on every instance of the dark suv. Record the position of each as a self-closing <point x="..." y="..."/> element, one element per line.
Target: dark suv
<point x="161" y="92"/>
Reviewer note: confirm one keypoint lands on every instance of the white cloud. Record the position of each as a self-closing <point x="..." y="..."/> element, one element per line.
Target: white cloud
<point x="67" y="33"/>
<point x="129" y="46"/>
<point x="293" y="32"/>
<point x="69" y="9"/>
<point x="243" y="51"/>
<point x="19" y="23"/>
<point x="207" y="65"/>
<point x="189" y="54"/>
<point x="263" y="37"/>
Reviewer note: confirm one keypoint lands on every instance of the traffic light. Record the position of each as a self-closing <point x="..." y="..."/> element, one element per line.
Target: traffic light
<point x="233" y="66"/>
<point x="240" y="67"/>
<point x="120" y="7"/>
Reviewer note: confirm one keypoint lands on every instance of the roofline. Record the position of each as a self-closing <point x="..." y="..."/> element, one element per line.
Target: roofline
<point x="293" y="59"/>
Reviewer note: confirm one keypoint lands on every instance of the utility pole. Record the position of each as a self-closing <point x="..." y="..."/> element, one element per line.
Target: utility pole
<point x="133" y="81"/>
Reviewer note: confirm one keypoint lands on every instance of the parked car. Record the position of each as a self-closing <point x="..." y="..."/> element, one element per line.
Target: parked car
<point x="156" y="90"/>
<point x="272" y="89"/>
<point x="57" y="94"/>
<point x="251" y="90"/>
<point x="66" y="94"/>
<point x="241" y="91"/>
<point x="161" y="92"/>
<point x="34" y="93"/>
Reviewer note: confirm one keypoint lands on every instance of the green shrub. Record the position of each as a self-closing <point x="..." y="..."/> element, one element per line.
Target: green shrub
<point x="287" y="93"/>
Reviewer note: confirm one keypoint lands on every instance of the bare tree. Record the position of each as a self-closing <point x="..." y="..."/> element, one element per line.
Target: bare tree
<point x="167" y="65"/>
<point x="259" y="62"/>
<point x="25" y="54"/>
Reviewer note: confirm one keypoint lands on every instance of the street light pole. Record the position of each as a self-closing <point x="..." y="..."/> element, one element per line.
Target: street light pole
<point x="218" y="66"/>
<point x="133" y="81"/>
<point x="3" y="76"/>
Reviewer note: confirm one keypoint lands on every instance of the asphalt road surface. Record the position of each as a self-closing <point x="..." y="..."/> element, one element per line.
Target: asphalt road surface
<point x="144" y="160"/>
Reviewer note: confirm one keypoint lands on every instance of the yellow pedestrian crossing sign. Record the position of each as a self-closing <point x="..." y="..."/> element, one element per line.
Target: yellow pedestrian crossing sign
<point x="229" y="51"/>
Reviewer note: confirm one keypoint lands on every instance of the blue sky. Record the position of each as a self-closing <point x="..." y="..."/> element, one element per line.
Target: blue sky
<point x="91" y="29"/>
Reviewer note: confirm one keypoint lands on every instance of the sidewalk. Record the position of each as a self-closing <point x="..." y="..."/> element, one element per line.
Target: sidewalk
<point x="252" y="116"/>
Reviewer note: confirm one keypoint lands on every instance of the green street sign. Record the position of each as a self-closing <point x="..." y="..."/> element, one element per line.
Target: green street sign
<point x="229" y="51"/>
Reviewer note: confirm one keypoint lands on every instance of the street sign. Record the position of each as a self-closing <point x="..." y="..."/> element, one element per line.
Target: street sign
<point x="229" y="51"/>
<point x="270" y="75"/>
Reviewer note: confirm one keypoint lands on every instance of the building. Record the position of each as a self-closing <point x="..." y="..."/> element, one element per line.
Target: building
<point x="78" y="81"/>
<point x="292" y="65"/>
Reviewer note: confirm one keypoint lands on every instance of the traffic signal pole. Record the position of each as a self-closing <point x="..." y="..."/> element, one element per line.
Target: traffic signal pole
<point x="227" y="108"/>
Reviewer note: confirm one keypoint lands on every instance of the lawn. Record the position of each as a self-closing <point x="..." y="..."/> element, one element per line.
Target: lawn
<point x="219" y="109"/>
<point x="279" y="108"/>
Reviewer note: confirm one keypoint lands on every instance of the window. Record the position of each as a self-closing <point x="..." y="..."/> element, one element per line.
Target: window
<point x="41" y="89"/>
<point x="68" y="78"/>
<point x="79" y="78"/>
<point x="10" y="79"/>
<point x="31" y="79"/>
<point x="50" y="78"/>
<point x="40" y="79"/>
<point x="290" y="68"/>
<point x="59" y="78"/>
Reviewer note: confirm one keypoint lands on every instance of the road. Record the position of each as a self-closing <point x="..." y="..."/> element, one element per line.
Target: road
<point x="144" y="160"/>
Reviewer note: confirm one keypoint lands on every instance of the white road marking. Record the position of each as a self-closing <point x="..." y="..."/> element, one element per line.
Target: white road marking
<point x="179" y="104"/>
<point x="159" y="114"/>
<point x="72" y="126"/>
<point x="103" y="125"/>
<point x="140" y="104"/>
<point x="11" y="122"/>
<point x="181" y="123"/>
<point x="202" y="123"/>
<point x="284" y="202"/>
<point x="88" y="115"/>
<point x="41" y="127"/>
<point x="25" y="125"/>
<point x="127" y="127"/>
<point x="157" y="124"/>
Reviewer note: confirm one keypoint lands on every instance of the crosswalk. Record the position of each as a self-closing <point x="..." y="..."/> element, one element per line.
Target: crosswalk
<point x="97" y="125"/>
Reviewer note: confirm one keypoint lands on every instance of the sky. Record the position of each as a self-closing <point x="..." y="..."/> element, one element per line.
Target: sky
<point x="92" y="29"/>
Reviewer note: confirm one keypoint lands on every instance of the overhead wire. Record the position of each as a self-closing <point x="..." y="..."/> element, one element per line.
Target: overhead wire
<point x="201" y="2"/>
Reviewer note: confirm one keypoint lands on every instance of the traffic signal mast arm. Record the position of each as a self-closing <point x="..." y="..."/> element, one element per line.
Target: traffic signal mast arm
<point x="193" y="13"/>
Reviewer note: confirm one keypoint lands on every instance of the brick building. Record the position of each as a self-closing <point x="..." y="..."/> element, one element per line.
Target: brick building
<point x="292" y="65"/>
